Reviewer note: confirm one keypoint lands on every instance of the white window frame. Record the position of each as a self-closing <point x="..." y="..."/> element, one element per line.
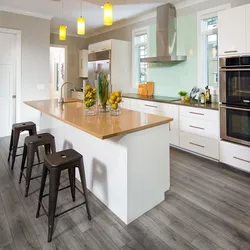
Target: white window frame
<point x="136" y="32"/>
<point x="201" y="65"/>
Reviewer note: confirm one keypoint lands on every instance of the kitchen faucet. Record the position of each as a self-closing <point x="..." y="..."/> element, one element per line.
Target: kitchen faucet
<point x="61" y="100"/>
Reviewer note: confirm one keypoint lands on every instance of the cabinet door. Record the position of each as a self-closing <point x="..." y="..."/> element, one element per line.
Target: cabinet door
<point x="232" y="31"/>
<point x="248" y="27"/>
<point x="83" y="63"/>
<point x="101" y="46"/>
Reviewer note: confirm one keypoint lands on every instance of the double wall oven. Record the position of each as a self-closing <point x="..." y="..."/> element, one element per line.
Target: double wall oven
<point x="235" y="99"/>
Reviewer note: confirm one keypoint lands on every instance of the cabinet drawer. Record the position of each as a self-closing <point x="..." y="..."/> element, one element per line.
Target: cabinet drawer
<point x="149" y="106"/>
<point x="201" y="114"/>
<point x="235" y="155"/>
<point x="200" y="145"/>
<point x="209" y="129"/>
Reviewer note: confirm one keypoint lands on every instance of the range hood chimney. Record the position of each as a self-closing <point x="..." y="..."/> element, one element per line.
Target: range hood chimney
<point x="166" y="36"/>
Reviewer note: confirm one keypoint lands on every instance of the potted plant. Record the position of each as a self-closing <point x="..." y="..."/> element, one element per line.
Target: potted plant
<point x="182" y="94"/>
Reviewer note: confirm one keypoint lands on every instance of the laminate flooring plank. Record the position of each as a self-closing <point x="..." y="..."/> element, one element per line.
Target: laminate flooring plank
<point x="133" y="245"/>
<point x="167" y="235"/>
<point x="112" y="228"/>
<point x="5" y="233"/>
<point x="97" y="239"/>
<point x="21" y="229"/>
<point x="174" y="205"/>
<point x="10" y="246"/>
<point x="178" y="226"/>
<point x="213" y="222"/>
<point x="145" y="236"/>
<point x="203" y="243"/>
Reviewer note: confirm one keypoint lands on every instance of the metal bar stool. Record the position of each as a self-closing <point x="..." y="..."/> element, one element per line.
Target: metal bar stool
<point x="55" y="164"/>
<point x="31" y="144"/>
<point x="17" y="129"/>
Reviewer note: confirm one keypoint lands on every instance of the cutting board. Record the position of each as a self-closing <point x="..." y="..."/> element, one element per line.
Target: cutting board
<point x="150" y="88"/>
<point x="142" y="89"/>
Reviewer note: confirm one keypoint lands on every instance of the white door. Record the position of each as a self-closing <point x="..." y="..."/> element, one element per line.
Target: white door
<point x="232" y="31"/>
<point x="248" y="27"/>
<point x="7" y="82"/>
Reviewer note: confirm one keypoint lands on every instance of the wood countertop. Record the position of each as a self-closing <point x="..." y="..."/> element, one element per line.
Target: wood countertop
<point x="102" y="125"/>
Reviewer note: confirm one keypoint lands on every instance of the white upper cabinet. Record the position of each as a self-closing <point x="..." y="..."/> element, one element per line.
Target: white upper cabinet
<point x="248" y="27"/>
<point x="83" y="63"/>
<point x="232" y="31"/>
<point x="101" y="46"/>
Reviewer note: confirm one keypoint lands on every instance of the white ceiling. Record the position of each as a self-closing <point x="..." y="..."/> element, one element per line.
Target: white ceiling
<point x="122" y="9"/>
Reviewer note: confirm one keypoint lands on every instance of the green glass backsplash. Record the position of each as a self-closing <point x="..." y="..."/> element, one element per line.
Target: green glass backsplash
<point x="170" y="78"/>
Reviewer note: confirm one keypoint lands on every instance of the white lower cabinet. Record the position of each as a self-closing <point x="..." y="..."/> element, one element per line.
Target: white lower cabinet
<point x="200" y="145"/>
<point x="235" y="155"/>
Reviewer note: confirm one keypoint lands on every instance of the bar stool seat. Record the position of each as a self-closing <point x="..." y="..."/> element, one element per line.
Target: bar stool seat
<point x="30" y="145"/>
<point x="17" y="129"/>
<point x="55" y="164"/>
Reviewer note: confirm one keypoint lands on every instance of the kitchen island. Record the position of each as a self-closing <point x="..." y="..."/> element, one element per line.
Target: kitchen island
<point x="126" y="157"/>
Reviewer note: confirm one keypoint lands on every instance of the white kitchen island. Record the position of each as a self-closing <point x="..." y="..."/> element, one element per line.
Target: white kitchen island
<point x="126" y="157"/>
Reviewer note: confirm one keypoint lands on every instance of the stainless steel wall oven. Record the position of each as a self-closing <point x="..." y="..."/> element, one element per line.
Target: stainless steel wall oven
<point x="235" y="99"/>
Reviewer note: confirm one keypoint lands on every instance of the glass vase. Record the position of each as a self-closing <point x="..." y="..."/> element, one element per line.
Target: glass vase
<point x="103" y="92"/>
<point x="90" y="99"/>
<point x="115" y="111"/>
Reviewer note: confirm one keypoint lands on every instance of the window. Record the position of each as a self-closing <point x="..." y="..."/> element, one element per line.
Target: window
<point x="207" y="23"/>
<point x="140" y="48"/>
<point x="210" y="50"/>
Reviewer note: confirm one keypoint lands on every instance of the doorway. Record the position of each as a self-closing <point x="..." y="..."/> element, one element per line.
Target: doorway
<point x="10" y="79"/>
<point x="57" y="69"/>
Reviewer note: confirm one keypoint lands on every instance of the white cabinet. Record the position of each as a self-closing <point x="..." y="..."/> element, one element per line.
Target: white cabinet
<point x="83" y="63"/>
<point x="248" y="27"/>
<point x="232" y="31"/>
<point x="163" y="109"/>
<point x="100" y="46"/>
<point x="200" y="145"/>
<point x="199" y="131"/>
<point x="125" y="104"/>
<point x="77" y="95"/>
<point x="235" y="155"/>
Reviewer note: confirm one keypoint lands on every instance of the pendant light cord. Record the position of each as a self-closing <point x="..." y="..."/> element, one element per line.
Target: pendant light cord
<point x="82" y="8"/>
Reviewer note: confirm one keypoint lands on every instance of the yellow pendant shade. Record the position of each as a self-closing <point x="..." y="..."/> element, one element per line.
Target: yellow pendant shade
<point x="62" y="32"/>
<point x="81" y="26"/>
<point x="108" y="14"/>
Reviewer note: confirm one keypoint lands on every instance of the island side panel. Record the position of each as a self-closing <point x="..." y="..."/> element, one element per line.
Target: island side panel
<point x="148" y="169"/>
<point x="105" y="162"/>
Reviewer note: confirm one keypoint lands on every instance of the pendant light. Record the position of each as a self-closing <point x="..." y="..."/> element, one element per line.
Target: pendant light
<point x="108" y="14"/>
<point x="62" y="29"/>
<point x="81" y="23"/>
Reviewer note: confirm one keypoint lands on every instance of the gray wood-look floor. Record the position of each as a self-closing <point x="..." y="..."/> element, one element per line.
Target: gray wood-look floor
<point x="207" y="207"/>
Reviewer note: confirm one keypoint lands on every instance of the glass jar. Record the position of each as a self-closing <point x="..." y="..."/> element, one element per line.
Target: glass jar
<point x="115" y="99"/>
<point x="90" y="99"/>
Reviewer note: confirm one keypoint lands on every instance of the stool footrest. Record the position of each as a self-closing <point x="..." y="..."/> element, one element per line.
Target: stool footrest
<point x="58" y="190"/>
<point x="66" y="211"/>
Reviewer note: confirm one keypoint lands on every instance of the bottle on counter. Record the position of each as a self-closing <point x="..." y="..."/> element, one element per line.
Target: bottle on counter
<point x="202" y="98"/>
<point x="208" y="95"/>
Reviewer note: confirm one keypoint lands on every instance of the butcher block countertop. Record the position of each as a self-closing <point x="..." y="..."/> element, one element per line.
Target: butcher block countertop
<point x="102" y="125"/>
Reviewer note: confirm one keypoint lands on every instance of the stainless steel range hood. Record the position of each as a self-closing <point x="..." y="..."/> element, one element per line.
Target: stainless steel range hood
<point x="166" y="36"/>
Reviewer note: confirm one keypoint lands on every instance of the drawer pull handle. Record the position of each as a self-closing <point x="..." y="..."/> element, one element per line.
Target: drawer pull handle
<point x="194" y="113"/>
<point x="151" y="106"/>
<point x="241" y="159"/>
<point x="231" y="51"/>
<point x="196" y="145"/>
<point x="191" y="126"/>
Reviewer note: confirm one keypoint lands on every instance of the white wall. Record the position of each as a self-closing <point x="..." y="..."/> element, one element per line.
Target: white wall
<point x="35" y="39"/>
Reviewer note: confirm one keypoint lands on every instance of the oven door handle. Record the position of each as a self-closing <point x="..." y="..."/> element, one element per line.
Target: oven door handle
<point x="235" y="69"/>
<point x="234" y="108"/>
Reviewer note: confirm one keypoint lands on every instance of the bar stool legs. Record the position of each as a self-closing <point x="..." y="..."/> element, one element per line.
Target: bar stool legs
<point x="72" y="182"/>
<point x="14" y="147"/>
<point x="11" y="144"/>
<point x="84" y="187"/>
